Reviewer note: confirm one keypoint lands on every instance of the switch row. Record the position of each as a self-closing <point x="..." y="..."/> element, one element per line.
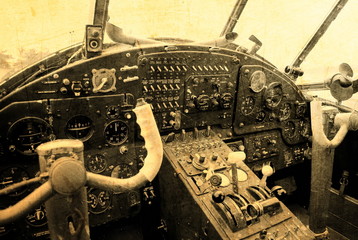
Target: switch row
<point x="164" y="88"/>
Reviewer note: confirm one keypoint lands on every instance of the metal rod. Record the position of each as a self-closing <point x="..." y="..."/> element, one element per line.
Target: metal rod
<point x="26" y="205"/>
<point x="319" y="33"/>
<point x="101" y="13"/>
<point x="15" y="186"/>
<point x="234" y="17"/>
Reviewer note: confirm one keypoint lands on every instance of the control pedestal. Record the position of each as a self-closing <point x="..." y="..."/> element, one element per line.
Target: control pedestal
<point x="220" y="197"/>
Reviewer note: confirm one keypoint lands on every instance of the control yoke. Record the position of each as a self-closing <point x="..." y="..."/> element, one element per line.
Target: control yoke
<point x="322" y="163"/>
<point x="344" y="121"/>
<point x="66" y="181"/>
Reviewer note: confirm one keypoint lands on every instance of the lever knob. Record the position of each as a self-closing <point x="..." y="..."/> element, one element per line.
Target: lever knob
<point x="267" y="171"/>
<point x="236" y="158"/>
<point x="218" y="196"/>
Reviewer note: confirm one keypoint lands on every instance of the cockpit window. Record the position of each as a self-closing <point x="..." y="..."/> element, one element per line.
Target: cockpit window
<point x="34" y="29"/>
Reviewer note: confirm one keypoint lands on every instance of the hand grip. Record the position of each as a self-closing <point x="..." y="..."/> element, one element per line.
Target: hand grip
<point x="341" y="120"/>
<point x="152" y="162"/>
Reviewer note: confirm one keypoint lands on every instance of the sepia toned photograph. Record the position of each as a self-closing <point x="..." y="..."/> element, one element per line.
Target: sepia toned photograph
<point x="179" y="120"/>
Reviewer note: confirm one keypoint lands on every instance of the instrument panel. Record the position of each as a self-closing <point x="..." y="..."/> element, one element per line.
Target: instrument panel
<point x="267" y="100"/>
<point x="245" y="100"/>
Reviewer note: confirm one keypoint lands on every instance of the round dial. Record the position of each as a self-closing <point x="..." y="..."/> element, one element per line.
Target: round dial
<point x="301" y="110"/>
<point x="248" y="105"/>
<point x="273" y="95"/>
<point x="289" y="129"/>
<point x="79" y="127"/>
<point x="122" y="171"/>
<point x="203" y="102"/>
<point x="97" y="163"/>
<point x="116" y="132"/>
<point x="226" y="100"/>
<point x="13" y="175"/>
<point x="98" y="200"/>
<point x="37" y="217"/>
<point x="285" y="111"/>
<point x="260" y="116"/>
<point x="257" y="81"/>
<point x="28" y="133"/>
<point x="113" y="112"/>
<point x="304" y="128"/>
<point x="104" y="80"/>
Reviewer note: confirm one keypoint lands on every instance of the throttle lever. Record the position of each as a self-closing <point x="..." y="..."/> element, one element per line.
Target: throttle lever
<point x="267" y="171"/>
<point x="235" y="159"/>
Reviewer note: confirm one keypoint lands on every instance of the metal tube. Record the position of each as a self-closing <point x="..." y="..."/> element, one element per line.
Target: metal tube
<point x="26" y="205"/>
<point x="18" y="185"/>
<point x="319" y="33"/>
<point x="116" y="34"/>
<point x="101" y="13"/>
<point x="234" y="17"/>
<point x="221" y="41"/>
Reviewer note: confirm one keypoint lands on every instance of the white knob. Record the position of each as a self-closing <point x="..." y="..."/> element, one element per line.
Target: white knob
<point x="267" y="171"/>
<point x="236" y="158"/>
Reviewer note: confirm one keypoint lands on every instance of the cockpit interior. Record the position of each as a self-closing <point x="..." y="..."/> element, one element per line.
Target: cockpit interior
<point x="126" y="137"/>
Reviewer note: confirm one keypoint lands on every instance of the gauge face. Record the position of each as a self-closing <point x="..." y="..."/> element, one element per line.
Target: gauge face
<point x="273" y="95"/>
<point x="97" y="163"/>
<point x="288" y="158"/>
<point x="203" y="102"/>
<point x="304" y="128"/>
<point x="289" y="129"/>
<point x="98" y="200"/>
<point x="13" y="175"/>
<point x="301" y="110"/>
<point x="122" y="171"/>
<point x="285" y="112"/>
<point x="79" y="127"/>
<point x="226" y="100"/>
<point x="37" y="218"/>
<point x="257" y="81"/>
<point x="116" y="132"/>
<point x="28" y="133"/>
<point x="104" y="80"/>
<point x="248" y="105"/>
<point x="113" y="112"/>
<point x="260" y="116"/>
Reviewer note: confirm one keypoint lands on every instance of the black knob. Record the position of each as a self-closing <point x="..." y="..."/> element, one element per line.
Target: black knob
<point x="218" y="196"/>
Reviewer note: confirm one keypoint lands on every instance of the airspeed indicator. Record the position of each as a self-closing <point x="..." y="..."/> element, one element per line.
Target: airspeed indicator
<point x="116" y="132"/>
